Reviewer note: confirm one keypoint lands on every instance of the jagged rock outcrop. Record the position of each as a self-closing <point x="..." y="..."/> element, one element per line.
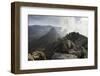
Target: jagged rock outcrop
<point x="72" y="45"/>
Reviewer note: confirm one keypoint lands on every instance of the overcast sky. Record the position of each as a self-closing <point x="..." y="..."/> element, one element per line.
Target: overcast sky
<point x="68" y="24"/>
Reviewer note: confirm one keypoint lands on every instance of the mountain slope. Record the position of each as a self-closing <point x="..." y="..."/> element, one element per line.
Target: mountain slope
<point x="50" y="37"/>
<point x="45" y="40"/>
<point x="37" y="31"/>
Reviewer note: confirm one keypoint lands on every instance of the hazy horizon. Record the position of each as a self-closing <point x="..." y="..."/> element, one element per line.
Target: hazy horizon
<point x="68" y="24"/>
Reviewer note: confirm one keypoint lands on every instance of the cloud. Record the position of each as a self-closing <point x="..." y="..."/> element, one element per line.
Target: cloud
<point x="68" y="24"/>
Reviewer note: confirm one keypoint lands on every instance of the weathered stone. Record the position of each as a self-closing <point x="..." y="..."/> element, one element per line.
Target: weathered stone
<point x="30" y="57"/>
<point x="38" y="55"/>
<point x="63" y="56"/>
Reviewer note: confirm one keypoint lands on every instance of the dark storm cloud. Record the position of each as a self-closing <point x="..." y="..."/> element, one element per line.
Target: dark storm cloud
<point x="43" y="20"/>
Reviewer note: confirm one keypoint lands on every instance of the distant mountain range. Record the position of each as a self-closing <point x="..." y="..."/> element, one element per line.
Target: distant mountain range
<point x="42" y="36"/>
<point x="37" y="31"/>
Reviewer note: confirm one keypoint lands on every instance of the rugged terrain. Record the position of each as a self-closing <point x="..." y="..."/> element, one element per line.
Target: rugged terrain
<point x="46" y="43"/>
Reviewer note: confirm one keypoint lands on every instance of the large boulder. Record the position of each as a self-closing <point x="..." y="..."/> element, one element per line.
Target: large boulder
<point x="37" y="55"/>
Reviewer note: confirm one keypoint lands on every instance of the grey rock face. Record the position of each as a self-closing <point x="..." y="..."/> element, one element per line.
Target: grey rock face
<point x="63" y="56"/>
